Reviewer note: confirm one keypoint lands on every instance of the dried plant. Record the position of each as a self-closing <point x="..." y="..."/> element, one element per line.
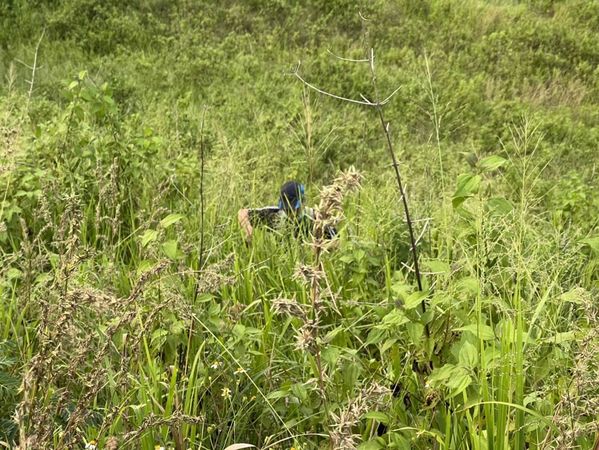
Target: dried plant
<point x="580" y="401"/>
<point x="369" y="398"/>
<point x="289" y="307"/>
<point x="328" y="214"/>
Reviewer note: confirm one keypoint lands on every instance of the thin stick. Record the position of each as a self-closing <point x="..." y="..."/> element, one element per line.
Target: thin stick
<point x="34" y="68"/>
<point x="395" y="164"/>
<point x="311" y="86"/>
<point x="202" y="159"/>
<point x="341" y="58"/>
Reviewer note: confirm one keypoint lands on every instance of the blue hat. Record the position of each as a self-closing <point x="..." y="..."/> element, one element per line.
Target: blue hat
<point x="292" y="196"/>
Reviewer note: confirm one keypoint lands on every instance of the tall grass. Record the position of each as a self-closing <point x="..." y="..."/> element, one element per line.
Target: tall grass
<point x="133" y="315"/>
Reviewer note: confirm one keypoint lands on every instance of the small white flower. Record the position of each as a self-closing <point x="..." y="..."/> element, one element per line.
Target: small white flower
<point x="226" y="393"/>
<point x="91" y="445"/>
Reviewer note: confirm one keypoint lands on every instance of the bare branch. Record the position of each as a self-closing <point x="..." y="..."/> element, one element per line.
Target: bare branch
<point x="34" y="67"/>
<point x="390" y="96"/>
<point x="311" y="86"/>
<point x="347" y="59"/>
<point x="424" y="228"/>
<point x="362" y="16"/>
<point x="365" y="101"/>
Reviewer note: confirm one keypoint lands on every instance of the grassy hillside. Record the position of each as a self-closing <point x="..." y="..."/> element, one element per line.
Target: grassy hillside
<point x="132" y="312"/>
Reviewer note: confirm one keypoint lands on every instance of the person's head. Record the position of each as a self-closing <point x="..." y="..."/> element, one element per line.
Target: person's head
<point x="291" y="197"/>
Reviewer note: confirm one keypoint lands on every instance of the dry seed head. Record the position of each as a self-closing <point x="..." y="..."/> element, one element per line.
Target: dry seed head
<point x="308" y="274"/>
<point x="290" y="307"/>
<point x="306" y="337"/>
<point x="373" y="397"/>
<point x="112" y="443"/>
<point x="331" y="197"/>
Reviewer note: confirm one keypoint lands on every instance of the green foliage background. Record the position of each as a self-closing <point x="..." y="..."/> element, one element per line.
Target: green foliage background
<point x="496" y="127"/>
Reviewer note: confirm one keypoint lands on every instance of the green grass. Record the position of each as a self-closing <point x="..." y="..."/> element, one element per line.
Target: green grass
<point x="113" y="326"/>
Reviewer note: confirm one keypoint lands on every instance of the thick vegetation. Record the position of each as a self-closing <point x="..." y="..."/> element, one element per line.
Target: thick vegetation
<point x="133" y="314"/>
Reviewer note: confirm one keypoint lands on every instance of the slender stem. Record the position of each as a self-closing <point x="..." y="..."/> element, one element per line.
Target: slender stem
<point x="34" y="68"/>
<point x="402" y="192"/>
<point x="404" y="200"/>
<point x="202" y="160"/>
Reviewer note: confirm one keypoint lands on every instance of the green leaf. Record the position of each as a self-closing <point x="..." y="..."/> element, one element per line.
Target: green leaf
<point x="484" y="332"/>
<point x="573" y="296"/>
<point x="559" y="338"/>
<point x="458" y="382"/>
<point x="469" y="284"/>
<point x="394" y="319"/>
<point x="592" y="243"/>
<point x="415" y="331"/>
<point x="414" y="299"/>
<point x="436" y="266"/>
<point x="374" y="444"/>
<point x="439" y="375"/>
<point x="378" y="416"/>
<point x="499" y="206"/>
<point x="148" y="236"/>
<point x="467" y="186"/>
<point x="170" y="249"/>
<point x="171" y="219"/>
<point x="468" y="355"/>
<point x="491" y="163"/>
<point x="387" y="345"/>
<point x="13" y="273"/>
<point x="376" y="335"/>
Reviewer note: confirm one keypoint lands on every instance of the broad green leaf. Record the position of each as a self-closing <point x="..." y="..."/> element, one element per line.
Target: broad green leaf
<point x="374" y="444"/>
<point x="415" y="331"/>
<point x="491" y="163"/>
<point x="573" y="296"/>
<point x="499" y="206"/>
<point x="394" y="319"/>
<point x="376" y="335"/>
<point x="484" y="332"/>
<point x="592" y="243"/>
<point x="387" y="345"/>
<point x="170" y="249"/>
<point x="458" y="382"/>
<point x="331" y="355"/>
<point x="276" y="395"/>
<point x="414" y="299"/>
<point x="559" y="338"/>
<point x="378" y="416"/>
<point x="13" y="273"/>
<point x="441" y="374"/>
<point x="436" y="266"/>
<point x="469" y="284"/>
<point x="468" y="355"/>
<point x="148" y="236"/>
<point x="467" y="185"/>
<point x="171" y="219"/>
<point x="144" y="265"/>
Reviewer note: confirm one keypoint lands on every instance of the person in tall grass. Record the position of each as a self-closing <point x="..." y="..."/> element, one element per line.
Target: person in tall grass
<point x="291" y="210"/>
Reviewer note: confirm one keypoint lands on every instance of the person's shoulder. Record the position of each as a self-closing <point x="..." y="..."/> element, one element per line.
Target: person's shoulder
<point x="265" y="209"/>
<point x="264" y="214"/>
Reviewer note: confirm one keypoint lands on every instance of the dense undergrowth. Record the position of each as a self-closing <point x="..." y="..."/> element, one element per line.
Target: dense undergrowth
<point x="133" y="314"/>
